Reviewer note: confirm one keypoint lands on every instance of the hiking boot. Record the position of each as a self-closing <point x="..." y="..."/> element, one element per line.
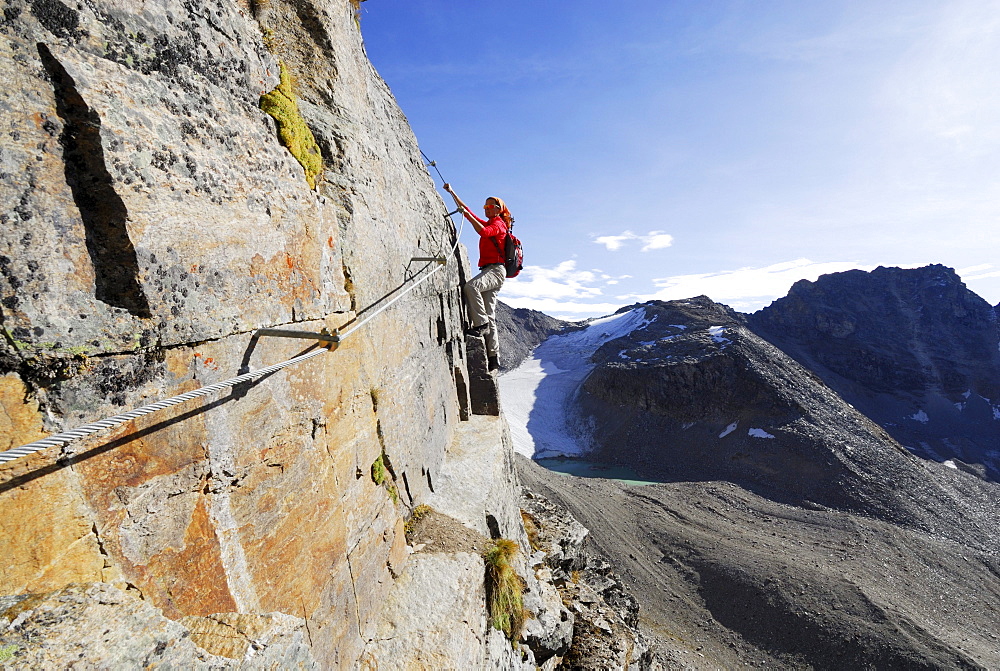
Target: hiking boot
<point x="477" y="330"/>
<point x="493" y="363"/>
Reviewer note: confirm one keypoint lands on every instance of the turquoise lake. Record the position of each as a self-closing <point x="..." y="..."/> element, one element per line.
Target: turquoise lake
<point x="588" y="469"/>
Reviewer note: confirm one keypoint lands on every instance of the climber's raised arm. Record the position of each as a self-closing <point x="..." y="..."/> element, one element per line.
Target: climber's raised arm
<point x="476" y="222"/>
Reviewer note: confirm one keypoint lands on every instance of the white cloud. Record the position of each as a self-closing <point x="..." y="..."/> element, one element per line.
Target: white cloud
<point x="744" y="288"/>
<point x="656" y="240"/>
<point x="562" y="291"/>
<point x="568" y="310"/>
<point x="610" y="280"/>
<point x="565" y="292"/>
<point x="615" y="242"/>
<point x="995" y="273"/>
<point x="562" y="282"/>
<point x="982" y="271"/>
<point x="651" y="240"/>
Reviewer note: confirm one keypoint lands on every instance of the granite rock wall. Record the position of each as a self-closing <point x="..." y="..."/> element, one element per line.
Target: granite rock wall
<point x="152" y="221"/>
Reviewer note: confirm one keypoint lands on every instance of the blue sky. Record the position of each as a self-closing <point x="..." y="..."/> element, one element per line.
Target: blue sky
<point x="662" y="149"/>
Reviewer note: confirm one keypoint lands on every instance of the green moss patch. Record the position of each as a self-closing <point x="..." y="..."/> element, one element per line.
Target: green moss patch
<point x="382" y="476"/>
<point x="378" y="470"/>
<point x="293" y="131"/>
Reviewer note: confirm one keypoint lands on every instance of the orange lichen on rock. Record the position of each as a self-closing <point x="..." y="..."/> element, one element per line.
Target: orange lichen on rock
<point x="46" y="533"/>
<point x="191" y="579"/>
<point x="20" y="418"/>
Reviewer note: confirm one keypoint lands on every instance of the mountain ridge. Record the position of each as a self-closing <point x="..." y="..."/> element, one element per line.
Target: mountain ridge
<point x="713" y="401"/>
<point x="936" y="391"/>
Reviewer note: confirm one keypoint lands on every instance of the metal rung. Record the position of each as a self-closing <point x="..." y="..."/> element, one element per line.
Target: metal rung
<point x="438" y="259"/>
<point x="323" y="336"/>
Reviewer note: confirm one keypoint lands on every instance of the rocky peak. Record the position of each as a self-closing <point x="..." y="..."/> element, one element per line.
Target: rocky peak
<point x="694" y="328"/>
<point x="914" y="349"/>
<point x="917" y="326"/>
<point x="695" y="308"/>
<point x="520" y="330"/>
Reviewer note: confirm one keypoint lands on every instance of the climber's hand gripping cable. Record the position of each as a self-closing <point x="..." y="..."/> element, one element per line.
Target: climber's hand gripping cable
<point x="466" y="212"/>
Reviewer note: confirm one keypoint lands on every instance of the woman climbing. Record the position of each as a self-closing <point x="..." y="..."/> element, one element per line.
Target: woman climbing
<point x="481" y="290"/>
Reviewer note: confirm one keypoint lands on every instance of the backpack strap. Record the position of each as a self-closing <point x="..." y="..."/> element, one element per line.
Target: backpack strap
<point x="497" y="244"/>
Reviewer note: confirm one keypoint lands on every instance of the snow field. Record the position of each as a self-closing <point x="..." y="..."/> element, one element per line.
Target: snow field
<point x="537" y="395"/>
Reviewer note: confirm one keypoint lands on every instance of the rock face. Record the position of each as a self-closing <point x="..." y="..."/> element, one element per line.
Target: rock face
<point x="484" y="399"/>
<point x="107" y="628"/>
<point x="152" y="222"/>
<point x="430" y="622"/>
<point x="913" y="349"/>
<point x="520" y="331"/>
<point x="435" y="615"/>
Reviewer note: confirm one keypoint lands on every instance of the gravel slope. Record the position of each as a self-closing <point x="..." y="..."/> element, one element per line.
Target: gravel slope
<point x="726" y="578"/>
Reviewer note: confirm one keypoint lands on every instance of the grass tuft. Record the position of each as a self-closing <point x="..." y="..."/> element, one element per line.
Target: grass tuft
<point x="504" y="588"/>
<point x="356" y="4"/>
<point x="271" y="40"/>
<point x="532" y="529"/>
<point x="7" y="652"/>
<point x="420" y="511"/>
<point x="293" y="131"/>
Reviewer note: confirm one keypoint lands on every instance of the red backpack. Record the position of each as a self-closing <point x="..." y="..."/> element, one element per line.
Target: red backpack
<point x="513" y="255"/>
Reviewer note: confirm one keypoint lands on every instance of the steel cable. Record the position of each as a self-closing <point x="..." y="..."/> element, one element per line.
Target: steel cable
<point x="67" y="437"/>
<point x="87" y="429"/>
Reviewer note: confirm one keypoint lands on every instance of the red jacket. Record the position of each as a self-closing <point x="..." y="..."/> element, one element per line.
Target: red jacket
<point x="491" y="240"/>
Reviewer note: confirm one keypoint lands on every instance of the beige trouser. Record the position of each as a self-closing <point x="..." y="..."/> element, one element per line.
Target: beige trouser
<point x="481" y="295"/>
